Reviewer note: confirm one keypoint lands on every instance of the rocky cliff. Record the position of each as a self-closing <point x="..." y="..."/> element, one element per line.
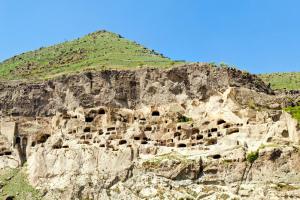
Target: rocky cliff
<point x="119" y="88"/>
<point x="191" y="132"/>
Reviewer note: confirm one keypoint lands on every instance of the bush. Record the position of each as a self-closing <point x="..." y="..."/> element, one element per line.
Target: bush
<point x="183" y="118"/>
<point x="252" y="156"/>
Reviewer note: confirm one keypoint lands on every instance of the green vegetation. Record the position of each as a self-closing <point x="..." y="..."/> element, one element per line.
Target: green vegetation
<point x="294" y="111"/>
<point x="96" y="51"/>
<point x="262" y="146"/>
<point x="285" y="187"/>
<point x="222" y="64"/>
<point x="252" y="156"/>
<point x="183" y="119"/>
<point x="289" y="81"/>
<point x="15" y="184"/>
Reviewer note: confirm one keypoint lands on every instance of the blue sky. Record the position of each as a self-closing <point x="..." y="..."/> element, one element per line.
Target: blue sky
<point x="255" y="35"/>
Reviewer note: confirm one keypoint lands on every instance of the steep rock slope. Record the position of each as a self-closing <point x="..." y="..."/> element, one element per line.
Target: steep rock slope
<point x="191" y="132"/>
<point x="122" y="88"/>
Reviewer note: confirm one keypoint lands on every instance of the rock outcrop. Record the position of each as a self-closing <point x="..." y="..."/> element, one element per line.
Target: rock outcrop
<point x="193" y="132"/>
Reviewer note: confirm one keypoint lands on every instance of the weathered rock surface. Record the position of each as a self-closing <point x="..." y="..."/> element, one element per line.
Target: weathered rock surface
<point x="183" y="133"/>
<point x="122" y="89"/>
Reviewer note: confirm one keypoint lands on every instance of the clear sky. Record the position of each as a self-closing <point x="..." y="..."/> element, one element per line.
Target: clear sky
<point x="255" y="35"/>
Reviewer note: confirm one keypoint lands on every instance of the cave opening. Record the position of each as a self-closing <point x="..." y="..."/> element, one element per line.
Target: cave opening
<point x="155" y="113"/>
<point x="181" y="145"/>
<point x="89" y="119"/>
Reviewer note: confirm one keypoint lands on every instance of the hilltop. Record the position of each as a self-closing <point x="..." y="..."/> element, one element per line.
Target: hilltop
<point x="95" y="51"/>
<point x="289" y="81"/>
<point x="104" y="50"/>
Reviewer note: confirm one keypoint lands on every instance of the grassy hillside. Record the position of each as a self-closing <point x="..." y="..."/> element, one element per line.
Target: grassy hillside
<point x="98" y="50"/>
<point x="15" y="183"/>
<point x="294" y="111"/>
<point x="290" y="81"/>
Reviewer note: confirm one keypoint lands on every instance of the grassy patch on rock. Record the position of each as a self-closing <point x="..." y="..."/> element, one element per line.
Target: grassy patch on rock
<point x="14" y="183"/>
<point x="294" y="111"/>
<point x="289" y="81"/>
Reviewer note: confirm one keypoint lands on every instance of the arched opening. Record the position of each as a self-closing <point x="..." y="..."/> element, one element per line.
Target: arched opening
<point x="15" y="114"/>
<point x="199" y="137"/>
<point x="177" y="134"/>
<point x="82" y="137"/>
<point x="217" y="156"/>
<point x="205" y="123"/>
<point x="179" y="128"/>
<point x="170" y="141"/>
<point x="87" y="129"/>
<point x="155" y="113"/>
<point x="209" y="135"/>
<point x="214" y="130"/>
<point x="24" y="141"/>
<point x="221" y="121"/>
<point x="232" y="130"/>
<point x="89" y="119"/>
<point x="57" y="146"/>
<point x="195" y="131"/>
<point x="43" y="139"/>
<point x="122" y="142"/>
<point x="148" y="128"/>
<point x="144" y="142"/>
<point x="275" y="154"/>
<point x="89" y="136"/>
<point x="226" y="125"/>
<point x="10" y="198"/>
<point x="285" y="133"/>
<point x="33" y="144"/>
<point x="18" y="140"/>
<point x="100" y="132"/>
<point x="111" y="128"/>
<point x="101" y="111"/>
<point x="136" y="138"/>
<point x="181" y="145"/>
<point x="211" y="142"/>
<point x="7" y="153"/>
<point x="96" y="140"/>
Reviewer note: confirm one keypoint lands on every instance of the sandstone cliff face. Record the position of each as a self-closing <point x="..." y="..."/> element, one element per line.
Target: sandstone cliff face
<point x="183" y="133"/>
<point x="121" y="89"/>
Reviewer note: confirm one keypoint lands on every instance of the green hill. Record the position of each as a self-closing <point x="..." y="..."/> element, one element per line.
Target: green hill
<point x="96" y="51"/>
<point x="289" y="81"/>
